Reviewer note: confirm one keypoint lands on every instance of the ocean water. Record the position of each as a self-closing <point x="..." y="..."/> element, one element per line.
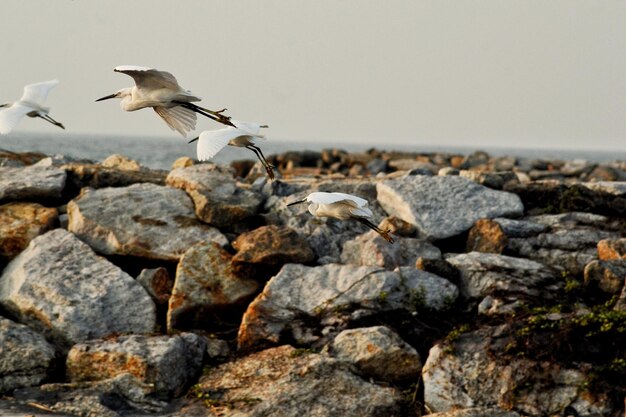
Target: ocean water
<point x="161" y="152"/>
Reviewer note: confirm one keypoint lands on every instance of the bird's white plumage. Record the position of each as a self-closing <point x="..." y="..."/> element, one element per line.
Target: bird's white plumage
<point x="177" y="118"/>
<point x="330" y="198"/>
<point x="149" y="78"/>
<point x="210" y="142"/>
<point x="37" y="93"/>
<point x="10" y="117"/>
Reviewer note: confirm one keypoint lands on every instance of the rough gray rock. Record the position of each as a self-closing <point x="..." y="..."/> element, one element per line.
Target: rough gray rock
<point x="32" y="183"/>
<point x="377" y="352"/>
<point x="25" y="356"/>
<point x="520" y="228"/>
<point x="371" y="249"/>
<point x="465" y="376"/>
<point x="217" y="197"/>
<point x="286" y="382"/>
<point x="482" y="274"/>
<point x="442" y="207"/>
<point x="205" y="285"/>
<point x="143" y="220"/>
<point x="495" y="180"/>
<point x="158" y="283"/>
<point x="299" y="299"/>
<point x="93" y="175"/>
<point x="569" y="244"/>
<point x="167" y="363"/>
<point x="61" y="288"/>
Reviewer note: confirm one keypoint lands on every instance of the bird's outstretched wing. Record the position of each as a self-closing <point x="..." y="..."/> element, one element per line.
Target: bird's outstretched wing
<point x="210" y="142"/>
<point x="329" y="198"/>
<point x="178" y="118"/>
<point x="38" y="92"/>
<point x="149" y="78"/>
<point x="10" y="117"/>
<point x="250" y="127"/>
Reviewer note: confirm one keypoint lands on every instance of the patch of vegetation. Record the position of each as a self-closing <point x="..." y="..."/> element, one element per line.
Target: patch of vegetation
<point x="453" y="336"/>
<point x="301" y="352"/>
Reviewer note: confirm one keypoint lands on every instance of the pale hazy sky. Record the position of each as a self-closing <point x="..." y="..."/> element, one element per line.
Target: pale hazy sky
<point x="532" y="73"/>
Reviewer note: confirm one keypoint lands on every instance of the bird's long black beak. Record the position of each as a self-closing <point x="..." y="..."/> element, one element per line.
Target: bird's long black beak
<point x="296" y="202"/>
<point x="194" y="139"/>
<point x="107" y="97"/>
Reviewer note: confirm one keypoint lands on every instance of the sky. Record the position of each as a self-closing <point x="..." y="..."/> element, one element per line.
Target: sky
<point x="503" y="73"/>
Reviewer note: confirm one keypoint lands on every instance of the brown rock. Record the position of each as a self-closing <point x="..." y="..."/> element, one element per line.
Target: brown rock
<point x="205" y="286"/>
<point x="486" y="236"/>
<point x="121" y="162"/>
<point x="157" y="283"/>
<point x="607" y="275"/>
<point x="612" y="249"/>
<point x="397" y="226"/>
<point x="271" y="245"/>
<point x="22" y="222"/>
<point x="183" y="162"/>
<point x="81" y="175"/>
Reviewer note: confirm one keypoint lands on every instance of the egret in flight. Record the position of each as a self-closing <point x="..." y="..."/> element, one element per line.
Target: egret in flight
<point x="160" y="90"/>
<point x="343" y="207"/>
<point x="31" y="105"/>
<point x="243" y="135"/>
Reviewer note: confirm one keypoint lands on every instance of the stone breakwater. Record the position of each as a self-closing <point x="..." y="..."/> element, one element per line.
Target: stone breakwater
<point x="129" y="291"/>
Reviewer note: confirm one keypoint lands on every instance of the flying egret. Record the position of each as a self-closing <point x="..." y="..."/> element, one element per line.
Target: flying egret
<point x="243" y="135"/>
<point x="160" y="90"/>
<point x="343" y="207"/>
<point x="31" y="105"/>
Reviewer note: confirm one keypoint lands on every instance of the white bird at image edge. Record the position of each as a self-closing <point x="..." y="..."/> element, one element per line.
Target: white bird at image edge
<point x="343" y="207"/>
<point x="244" y="135"/>
<point x="31" y="105"/>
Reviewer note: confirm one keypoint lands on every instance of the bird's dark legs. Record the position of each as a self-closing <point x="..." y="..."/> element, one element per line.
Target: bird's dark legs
<point x="215" y="115"/>
<point x="51" y="120"/>
<point x="268" y="167"/>
<point x="384" y="233"/>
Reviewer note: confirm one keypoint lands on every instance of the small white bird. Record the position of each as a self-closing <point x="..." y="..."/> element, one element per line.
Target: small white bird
<point x="343" y="207"/>
<point x="160" y="90"/>
<point x="31" y="105"/>
<point x="243" y="135"/>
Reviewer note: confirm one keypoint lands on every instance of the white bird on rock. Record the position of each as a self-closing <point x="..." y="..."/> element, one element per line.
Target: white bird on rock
<point x="31" y="105"/>
<point x="160" y="90"/>
<point x="343" y="207"/>
<point x="243" y="135"/>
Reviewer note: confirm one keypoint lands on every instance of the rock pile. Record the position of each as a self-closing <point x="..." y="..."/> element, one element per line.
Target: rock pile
<point x="128" y="291"/>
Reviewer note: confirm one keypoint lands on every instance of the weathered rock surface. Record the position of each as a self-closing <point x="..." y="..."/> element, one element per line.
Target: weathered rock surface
<point x="495" y="180"/>
<point x="609" y="249"/>
<point x="442" y="207"/>
<point x="22" y="222"/>
<point x="142" y="220"/>
<point x="80" y="175"/>
<point x="205" y="285"/>
<point x="167" y="363"/>
<point x="371" y="249"/>
<point x="25" y="356"/>
<point x="34" y="183"/>
<point x="569" y="244"/>
<point x="483" y="274"/>
<point x="158" y="283"/>
<point x="477" y="412"/>
<point x="61" y="288"/>
<point x="520" y="228"/>
<point x="465" y="377"/>
<point x="299" y="300"/>
<point x="217" y="197"/>
<point x="284" y="382"/>
<point x="271" y="245"/>
<point x="486" y="236"/>
<point x="377" y="352"/>
<point x="121" y="162"/>
<point x="607" y="275"/>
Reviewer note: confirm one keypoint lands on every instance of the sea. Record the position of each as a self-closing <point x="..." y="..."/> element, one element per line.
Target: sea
<point x="160" y="152"/>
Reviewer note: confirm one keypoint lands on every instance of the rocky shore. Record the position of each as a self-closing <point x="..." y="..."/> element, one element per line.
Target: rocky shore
<point x="126" y="291"/>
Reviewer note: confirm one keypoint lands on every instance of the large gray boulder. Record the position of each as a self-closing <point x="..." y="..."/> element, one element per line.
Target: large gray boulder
<point x="442" y="207"/>
<point x="482" y="274"/>
<point x="286" y="382"/>
<point x="377" y="352"/>
<point x="32" y="183"/>
<point x="206" y="285"/>
<point x="64" y="290"/>
<point x="470" y="374"/>
<point x="25" y="356"/>
<point x="142" y="220"/>
<point x="301" y="300"/>
<point x="167" y="363"/>
<point x="371" y="249"/>
<point x="218" y="199"/>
